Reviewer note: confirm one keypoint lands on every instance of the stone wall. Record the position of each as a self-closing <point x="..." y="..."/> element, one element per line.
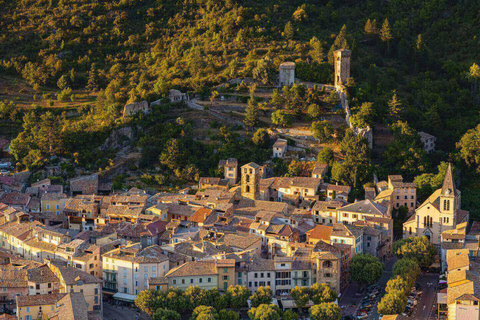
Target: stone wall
<point x="367" y="132"/>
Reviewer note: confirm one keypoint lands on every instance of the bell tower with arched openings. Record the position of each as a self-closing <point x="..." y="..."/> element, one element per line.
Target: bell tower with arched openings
<point x="250" y="179"/>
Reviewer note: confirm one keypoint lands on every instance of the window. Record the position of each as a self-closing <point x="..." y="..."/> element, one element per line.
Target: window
<point x="28" y="309"/>
<point x="256" y="284"/>
<point x="225" y="277"/>
<point x="225" y="270"/>
<point x="145" y="276"/>
<point x="136" y="283"/>
<point x="256" y="275"/>
<point x="154" y="269"/>
<point x="191" y="280"/>
<point x="174" y="281"/>
<point x="209" y="279"/>
<point x="136" y="276"/>
<point x="57" y="206"/>
<point x="250" y="284"/>
<point x="200" y="280"/>
<point x="183" y="281"/>
<point x="145" y="269"/>
<point x="48" y="206"/>
<point x="96" y="290"/>
<point x="268" y="274"/>
<point x="261" y="275"/>
<point x="145" y="284"/>
<point x="154" y="275"/>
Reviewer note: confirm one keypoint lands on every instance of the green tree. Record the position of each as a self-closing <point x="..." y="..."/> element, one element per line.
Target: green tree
<point x="261" y="138"/>
<point x="288" y="31"/>
<point x="356" y="158"/>
<point x="314" y="111"/>
<point x="92" y="82"/>
<point x="63" y="82"/>
<point x="469" y="146"/>
<point x="325" y="311"/>
<point x="408" y="269"/>
<point x="289" y="315"/>
<point x="418" y="248"/>
<point x="365" y="269"/>
<point x="204" y="313"/>
<point x="397" y="284"/>
<point x="392" y="303"/>
<point x="173" y="156"/>
<point x="322" y="130"/>
<point x="264" y="312"/>
<point x="175" y="300"/>
<point x="326" y="155"/>
<point x="281" y="118"/>
<point x="265" y="71"/>
<point x="301" y="296"/>
<point x="251" y="118"/>
<point x="228" y="315"/>
<point x="364" y="117"/>
<point x="321" y="292"/>
<point x="146" y="301"/>
<point x="263" y="295"/>
<point x="316" y="52"/>
<point x="196" y="296"/>
<point x="165" y="314"/>
<point x="385" y="32"/>
<point x="394" y="105"/>
<point x="238" y="296"/>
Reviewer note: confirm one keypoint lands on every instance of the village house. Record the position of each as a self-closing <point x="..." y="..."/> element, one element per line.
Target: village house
<point x="428" y="141"/>
<point x="319" y="170"/>
<point x="230" y="169"/>
<point x="176" y="96"/>
<point x="325" y="212"/>
<point x="399" y="193"/>
<point x="37" y="306"/>
<point x="206" y="274"/>
<point x="338" y="192"/>
<point x="75" y="280"/>
<point x="42" y="280"/>
<point x="126" y="269"/>
<point x="280" y="148"/>
<point x="13" y="283"/>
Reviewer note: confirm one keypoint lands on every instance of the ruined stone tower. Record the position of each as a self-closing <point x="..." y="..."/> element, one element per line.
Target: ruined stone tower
<point x="250" y="179"/>
<point x="287" y="74"/>
<point x="342" y="66"/>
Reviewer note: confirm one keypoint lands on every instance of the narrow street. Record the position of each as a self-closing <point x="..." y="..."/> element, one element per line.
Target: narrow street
<point x="424" y="311"/>
<point x="387" y="274"/>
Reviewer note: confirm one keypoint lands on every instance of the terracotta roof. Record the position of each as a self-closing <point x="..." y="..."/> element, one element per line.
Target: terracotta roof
<point x="339" y="188"/>
<point x="320" y="232"/>
<point x="71" y="275"/>
<point x="239" y="241"/>
<point x="39" y="299"/>
<point x="280" y="143"/>
<point x="457" y="259"/>
<point x="15" y="198"/>
<point x="7" y="316"/>
<point x="194" y="268"/>
<point x="366" y="207"/>
<point x="134" y="253"/>
<point x="200" y="215"/>
<point x="72" y="306"/>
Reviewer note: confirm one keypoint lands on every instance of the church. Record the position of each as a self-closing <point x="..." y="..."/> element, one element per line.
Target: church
<point x="440" y="212"/>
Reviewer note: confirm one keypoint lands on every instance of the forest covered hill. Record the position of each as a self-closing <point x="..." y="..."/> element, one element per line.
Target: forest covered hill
<point x="413" y="60"/>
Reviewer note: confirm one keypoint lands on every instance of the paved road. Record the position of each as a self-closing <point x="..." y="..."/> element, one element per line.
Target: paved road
<point x="424" y="309"/>
<point x="349" y="301"/>
<point x="111" y="312"/>
<point x="387" y="274"/>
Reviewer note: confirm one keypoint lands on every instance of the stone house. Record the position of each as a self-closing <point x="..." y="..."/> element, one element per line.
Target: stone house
<point x="280" y="148"/>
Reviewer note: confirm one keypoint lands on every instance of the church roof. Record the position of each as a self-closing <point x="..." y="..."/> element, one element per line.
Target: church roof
<point x="448" y="187"/>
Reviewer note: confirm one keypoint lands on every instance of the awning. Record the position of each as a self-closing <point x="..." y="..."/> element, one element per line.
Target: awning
<point x="124" y="297"/>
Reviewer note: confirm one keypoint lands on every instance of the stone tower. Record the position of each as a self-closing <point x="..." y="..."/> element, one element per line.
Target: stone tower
<point x="287" y="74"/>
<point x="342" y="66"/>
<point x="250" y="179"/>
